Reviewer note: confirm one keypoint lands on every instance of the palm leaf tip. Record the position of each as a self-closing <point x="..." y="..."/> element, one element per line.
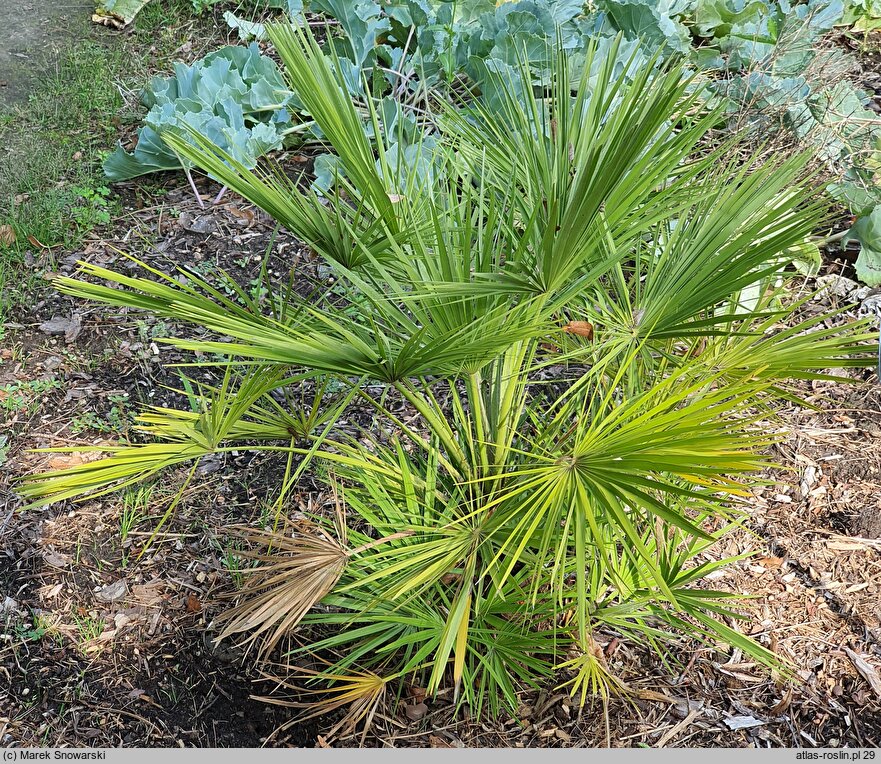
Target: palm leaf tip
<point x="360" y="693"/>
<point x="293" y="574"/>
<point x="591" y="674"/>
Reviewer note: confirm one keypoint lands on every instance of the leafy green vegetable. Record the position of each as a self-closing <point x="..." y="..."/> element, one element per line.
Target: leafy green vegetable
<point x="867" y="231"/>
<point x="235" y="95"/>
<point x="362" y="21"/>
<point x="862" y="15"/>
<point x="254" y="30"/>
<point x="118" y="13"/>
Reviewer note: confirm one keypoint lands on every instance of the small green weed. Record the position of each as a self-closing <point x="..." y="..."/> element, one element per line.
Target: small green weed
<point x="147" y="332"/>
<point x="41" y="626"/>
<point x="135" y="502"/>
<point x="88" y="628"/>
<point x="234" y="562"/>
<point x="26" y="397"/>
<point x="93" y="207"/>
<point x="268" y="514"/>
<point x="85" y="422"/>
<point x="118" y="419"/>
<point x="200" y="6"/>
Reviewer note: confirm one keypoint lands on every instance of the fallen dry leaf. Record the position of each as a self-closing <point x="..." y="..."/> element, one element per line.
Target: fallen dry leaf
<point x="581" y="328"/>
<point x="657" y="697"/>
<point x="240" y="216"/>
<point x="524" y="711"/>
<point x="193" y="604"/>
<point x="784" y="703"/>
<point x="56" y="560"/>
<point x="205" y="223"/>
<point x="416" y="711"/>
<point x="113" y="592"/>
<point x="148" y="594"/>
<point x="71" y="327"/>
<point x="867" y="670"/>
<point x="107" y="21"/>
<point x="63" y="461"/>
<point x="675" y="730"/>
<point x="846" y="546"/>
<point x="7" y="235"/>
<point x="53" y="592"/>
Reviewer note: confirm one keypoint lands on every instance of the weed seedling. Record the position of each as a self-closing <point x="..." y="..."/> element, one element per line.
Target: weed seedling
<point x="234" y="563"/>
<point x="88" y="628"/>
<point x="26" y="397"/>
<point x="135" y="502"/>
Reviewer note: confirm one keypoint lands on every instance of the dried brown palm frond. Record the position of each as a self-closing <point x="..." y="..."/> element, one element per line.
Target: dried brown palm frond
<point x="295" y="569"/>
<point x="293" y="573"/>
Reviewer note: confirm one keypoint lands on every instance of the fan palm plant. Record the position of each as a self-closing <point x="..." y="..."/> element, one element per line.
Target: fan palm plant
<point x="553" y="296"/>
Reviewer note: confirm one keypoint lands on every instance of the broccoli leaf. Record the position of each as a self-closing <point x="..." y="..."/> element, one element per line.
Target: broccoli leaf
<point x="361" y="20"/>
<point x="867" y="231"/>
<point x="235" y="96"/>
